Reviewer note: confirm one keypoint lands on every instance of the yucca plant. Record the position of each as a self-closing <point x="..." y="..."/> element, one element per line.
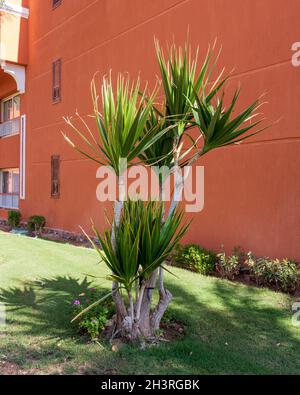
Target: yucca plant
<point x="191" y="100"/>
<point x="142" y="245"/>
<point x="132" y="126"/>
<point x="121" y="129"/>
<point x="120" y="125"/>
<point x="120" y="135"/>
<point x="217" y="125"/>
<point x="218" y="128"/>
<point x="181" y="84"/>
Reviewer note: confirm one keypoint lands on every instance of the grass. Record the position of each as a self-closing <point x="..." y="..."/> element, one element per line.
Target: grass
<point x="231" y="328"/>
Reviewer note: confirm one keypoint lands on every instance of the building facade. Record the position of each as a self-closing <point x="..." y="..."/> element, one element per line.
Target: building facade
<point x="50" y="50"/>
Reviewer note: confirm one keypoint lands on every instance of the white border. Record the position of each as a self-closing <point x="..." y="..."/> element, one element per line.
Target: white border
<point x="23" y="157"/>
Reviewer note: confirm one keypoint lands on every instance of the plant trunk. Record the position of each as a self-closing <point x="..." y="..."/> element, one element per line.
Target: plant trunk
<point x="145" y="311"/>
<point x="178" y="188"/>
<point x="164" y="301"/>
<point x="121" y="312"/>
<point x="140" y="321"/>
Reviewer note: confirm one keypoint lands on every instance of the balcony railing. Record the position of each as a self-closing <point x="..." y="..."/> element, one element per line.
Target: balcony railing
<point x="10" y="127"/>
<point x="9" y="200"/>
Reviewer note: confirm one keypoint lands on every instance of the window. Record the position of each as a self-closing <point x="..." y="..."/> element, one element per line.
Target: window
<point x="56" y="81"/>
<point x="11" y="108"/>
<point x="55" y="184"/>
<point x="5" y="182"/>
<point x="56" y="3"/>
<point x="10" y="181"/>
<point x="9" y="188"/>
<point x="10" y="116"/>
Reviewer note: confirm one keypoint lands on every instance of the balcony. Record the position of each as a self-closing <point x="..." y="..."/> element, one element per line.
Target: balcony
<point x="9" y="200"/>
<point x="10" y="127"/>
<point x="13" y="45"/>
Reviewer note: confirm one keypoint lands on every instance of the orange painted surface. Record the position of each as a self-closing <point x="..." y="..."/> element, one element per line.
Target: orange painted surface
<point x="3" y="213"/>
<point x="9" y="152"/>
<point x="252" y="190"/>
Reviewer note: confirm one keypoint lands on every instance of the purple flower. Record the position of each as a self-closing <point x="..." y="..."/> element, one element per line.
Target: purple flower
<point x="93" y="289"/>
<point x="77" y="302"/>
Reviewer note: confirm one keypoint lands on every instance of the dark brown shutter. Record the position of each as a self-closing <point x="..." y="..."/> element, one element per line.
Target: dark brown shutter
<point x="55" y="184"/>
<point x="56" y="3"/>
<point x="56" y="80"/>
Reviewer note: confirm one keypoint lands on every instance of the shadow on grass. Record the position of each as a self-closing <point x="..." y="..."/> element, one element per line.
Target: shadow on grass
<point x="229" y="329"/>
<point x="44" y="307"/>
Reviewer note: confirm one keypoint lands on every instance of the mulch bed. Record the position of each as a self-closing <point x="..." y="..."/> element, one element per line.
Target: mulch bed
<point x="173" y="330"/>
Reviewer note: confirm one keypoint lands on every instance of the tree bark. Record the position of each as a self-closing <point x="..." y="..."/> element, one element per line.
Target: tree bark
<point x="164" y="301"/>
<point x="144" y="321"/>
<point x="121" y="312"/>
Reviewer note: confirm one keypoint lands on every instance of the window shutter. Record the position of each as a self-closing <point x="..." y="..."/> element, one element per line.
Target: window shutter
<point x="56" y="80"/>
<point x="56" y="3"/>
<point x="55" y="184"/>
<point x="5" y="182"/>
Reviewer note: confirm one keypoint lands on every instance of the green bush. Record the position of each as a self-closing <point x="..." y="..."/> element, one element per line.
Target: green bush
<point x="229" y="266"/>
<point x="92" y="322"/>
<point x="14" y="218"/>
<point x="196" y="258"/>
<point x="36" y="223"/>
<point x="281" y="274"/>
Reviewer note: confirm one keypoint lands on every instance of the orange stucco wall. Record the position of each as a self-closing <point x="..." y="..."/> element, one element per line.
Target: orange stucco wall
<point x="9" y="152"/>
<point x="251" y="190"/>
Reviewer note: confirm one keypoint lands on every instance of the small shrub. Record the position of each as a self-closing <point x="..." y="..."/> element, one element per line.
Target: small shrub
<point x="14" y="218"/>
<point x="229" y="266"/>
<point x="240" y="254"/>
<point x="196" y="258"/>
<point x="36" y="224"/>
<point x="93" y="322"/>
<point x="281" y="274"/>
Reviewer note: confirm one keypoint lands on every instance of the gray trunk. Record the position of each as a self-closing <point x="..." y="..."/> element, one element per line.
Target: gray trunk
<point x="144" y="321"/>
<point x="121" y="312"/>
<point x="160" y="310"/>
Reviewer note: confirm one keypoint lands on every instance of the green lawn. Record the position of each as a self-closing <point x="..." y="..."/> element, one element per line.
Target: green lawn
<point x="231" y="328"/>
